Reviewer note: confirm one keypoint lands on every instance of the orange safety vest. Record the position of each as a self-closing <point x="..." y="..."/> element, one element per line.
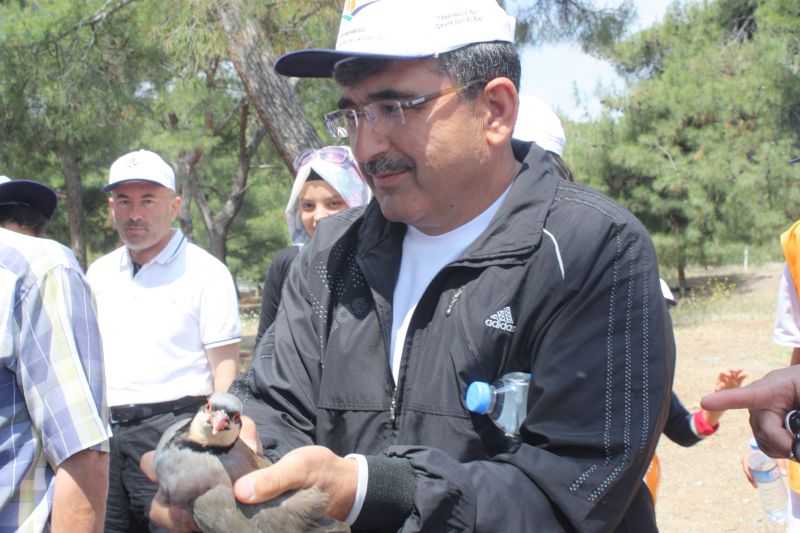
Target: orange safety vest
<point x="790" y="242"/>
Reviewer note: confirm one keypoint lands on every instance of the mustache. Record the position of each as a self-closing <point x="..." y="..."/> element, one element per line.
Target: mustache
<point x="135" y="225"/>
<point x="384" y="164"/>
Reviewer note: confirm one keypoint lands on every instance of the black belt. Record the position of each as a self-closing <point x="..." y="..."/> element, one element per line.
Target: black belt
<point x="125" y="414"/>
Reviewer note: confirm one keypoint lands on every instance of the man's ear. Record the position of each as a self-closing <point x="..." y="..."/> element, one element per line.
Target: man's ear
<point x="500" y="102"/>
<point x="111" y="208"/>
<point x="175" y="206"/>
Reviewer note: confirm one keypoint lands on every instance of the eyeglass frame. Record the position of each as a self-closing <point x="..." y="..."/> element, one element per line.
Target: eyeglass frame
<point x="331" y="117"/>
<point x="309" y="154"/>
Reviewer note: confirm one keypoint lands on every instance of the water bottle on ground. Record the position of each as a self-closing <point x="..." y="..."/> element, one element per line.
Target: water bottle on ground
<point x="770" y="484"/>
<point x="504" y="401"/>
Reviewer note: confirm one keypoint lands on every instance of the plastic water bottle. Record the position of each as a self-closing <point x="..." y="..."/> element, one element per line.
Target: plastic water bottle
<point x="504" y="401"/>
<point x="770" y="484"/>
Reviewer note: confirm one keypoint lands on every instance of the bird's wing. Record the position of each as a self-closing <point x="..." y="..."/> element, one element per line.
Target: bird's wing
<point x="301" y="512"/>
<point x="241" y="460"/>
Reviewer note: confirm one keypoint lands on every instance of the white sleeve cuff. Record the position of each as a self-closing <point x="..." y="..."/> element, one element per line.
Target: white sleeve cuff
<point x="694" y="427"/>
<point x="361" y="490"/>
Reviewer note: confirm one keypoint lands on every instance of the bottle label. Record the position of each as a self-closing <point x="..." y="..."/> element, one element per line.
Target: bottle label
<point x="765" y="472"/>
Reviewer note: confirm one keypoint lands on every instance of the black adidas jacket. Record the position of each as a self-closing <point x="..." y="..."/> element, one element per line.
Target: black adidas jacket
<point x="563" y="283"/>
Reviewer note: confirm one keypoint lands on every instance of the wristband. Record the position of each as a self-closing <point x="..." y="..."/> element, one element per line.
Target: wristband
<point x="703" y="427"/>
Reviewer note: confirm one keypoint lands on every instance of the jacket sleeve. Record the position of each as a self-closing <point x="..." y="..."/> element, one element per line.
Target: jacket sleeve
<point x="278" y="392"/>
<point x="601" y="356"/>
<point x="678" y="428"/>
<point x="273" y="285"/>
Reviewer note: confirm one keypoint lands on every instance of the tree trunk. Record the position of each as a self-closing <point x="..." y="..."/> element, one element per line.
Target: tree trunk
<point x="272" y="94"/>
<point x="72" y="176"/>
<point x="219" y="224"/>
<point x="186" y="185"/>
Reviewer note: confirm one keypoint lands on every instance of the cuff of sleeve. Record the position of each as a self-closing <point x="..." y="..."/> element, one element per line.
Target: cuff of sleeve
<point x="391" y="489"/>
<point x="361" y="490"/>
<point x="700" y="427"/>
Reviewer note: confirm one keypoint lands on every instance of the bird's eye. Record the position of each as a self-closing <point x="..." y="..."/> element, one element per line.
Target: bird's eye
<point x="208" y="407"/>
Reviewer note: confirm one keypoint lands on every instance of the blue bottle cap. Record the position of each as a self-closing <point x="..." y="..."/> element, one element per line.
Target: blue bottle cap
<point x="479" y="397"/>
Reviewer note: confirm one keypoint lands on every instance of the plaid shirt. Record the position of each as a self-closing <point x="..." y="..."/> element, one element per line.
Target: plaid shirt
<point x="52" y="392"/>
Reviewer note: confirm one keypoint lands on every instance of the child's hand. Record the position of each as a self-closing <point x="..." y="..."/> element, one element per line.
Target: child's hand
<point x="731" y="379"/>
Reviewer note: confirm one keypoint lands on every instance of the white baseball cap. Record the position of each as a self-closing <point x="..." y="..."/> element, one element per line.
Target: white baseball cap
<point x="402" y="29"/>
<point x="537" y="122"/>
<point x="141" y="165"/>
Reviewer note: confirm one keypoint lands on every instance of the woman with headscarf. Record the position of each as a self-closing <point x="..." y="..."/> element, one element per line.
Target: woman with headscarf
<point x="327" y="181"/>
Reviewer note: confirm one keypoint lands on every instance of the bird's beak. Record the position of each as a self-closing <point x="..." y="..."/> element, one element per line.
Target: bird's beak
<point x="219" y="421"/>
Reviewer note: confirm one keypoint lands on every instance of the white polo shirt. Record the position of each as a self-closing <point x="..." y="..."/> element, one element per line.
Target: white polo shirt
<point x="157" y="325"/>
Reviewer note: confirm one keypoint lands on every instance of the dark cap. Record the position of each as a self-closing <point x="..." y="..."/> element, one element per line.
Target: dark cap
<point x="30" y="193"/>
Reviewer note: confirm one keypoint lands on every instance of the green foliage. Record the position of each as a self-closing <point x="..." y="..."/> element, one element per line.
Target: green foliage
<point x="697" y="146"/>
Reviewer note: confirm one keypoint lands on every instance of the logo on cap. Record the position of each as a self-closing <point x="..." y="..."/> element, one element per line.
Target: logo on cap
<point x="352" y="7"/>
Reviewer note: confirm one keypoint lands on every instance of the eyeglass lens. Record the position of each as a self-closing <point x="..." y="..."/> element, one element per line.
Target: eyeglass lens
<point x="331" y="154"/>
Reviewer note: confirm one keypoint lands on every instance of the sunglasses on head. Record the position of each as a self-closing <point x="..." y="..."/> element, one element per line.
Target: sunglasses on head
<point x="337" y="155"/>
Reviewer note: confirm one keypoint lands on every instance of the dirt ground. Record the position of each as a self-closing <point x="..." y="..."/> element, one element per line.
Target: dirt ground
<point x="725" y="322"/>
<point x="703" y="488"/>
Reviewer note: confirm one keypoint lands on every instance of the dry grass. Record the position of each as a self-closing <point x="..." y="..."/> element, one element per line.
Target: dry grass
<point x="725" y="321"/>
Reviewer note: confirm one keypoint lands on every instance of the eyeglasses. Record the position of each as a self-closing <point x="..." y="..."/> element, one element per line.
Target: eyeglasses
<point x="343" y="123"/>
<point x="337" y="155"/>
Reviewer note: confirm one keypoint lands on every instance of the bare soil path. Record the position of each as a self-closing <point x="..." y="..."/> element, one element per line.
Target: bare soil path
<point x="728" y="326"/>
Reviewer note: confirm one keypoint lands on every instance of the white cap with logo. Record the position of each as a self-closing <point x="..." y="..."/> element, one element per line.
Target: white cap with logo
<point x="403" y="29"/>
<point x="141" y="165"/>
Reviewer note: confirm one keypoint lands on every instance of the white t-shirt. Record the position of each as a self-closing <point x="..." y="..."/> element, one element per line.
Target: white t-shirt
<point x="157" y="325"/>
<point x="423" y="257"/>
<point x="787" y="315"/>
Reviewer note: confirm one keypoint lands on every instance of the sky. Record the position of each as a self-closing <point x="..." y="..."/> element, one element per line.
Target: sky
<point x="555" y="72"/>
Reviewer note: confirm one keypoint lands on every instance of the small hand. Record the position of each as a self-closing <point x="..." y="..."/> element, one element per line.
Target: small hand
<point x="306" y="467"/>
<point x="731" y="379"/>
<point x="178" y="518"/>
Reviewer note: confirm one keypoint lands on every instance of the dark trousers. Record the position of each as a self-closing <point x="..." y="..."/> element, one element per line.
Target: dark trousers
<point x="129" y="490"/>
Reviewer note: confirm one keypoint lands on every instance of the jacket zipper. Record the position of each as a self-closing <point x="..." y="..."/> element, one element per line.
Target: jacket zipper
<point x="393" y="409"/>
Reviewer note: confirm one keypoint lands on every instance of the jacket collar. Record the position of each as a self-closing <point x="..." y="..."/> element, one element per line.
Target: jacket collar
<point x="516" y="228"/>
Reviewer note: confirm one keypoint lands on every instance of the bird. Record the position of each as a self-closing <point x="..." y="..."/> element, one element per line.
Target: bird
<point x="198" y="460"/>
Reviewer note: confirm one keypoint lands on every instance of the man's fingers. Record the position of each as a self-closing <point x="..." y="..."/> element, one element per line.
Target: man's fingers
<point x="146" y="464"/>
<point x="267" y="483"/>
<point x="768" y="429"/>
<point x="249" y="434"/>
<point x="745" y="397"/>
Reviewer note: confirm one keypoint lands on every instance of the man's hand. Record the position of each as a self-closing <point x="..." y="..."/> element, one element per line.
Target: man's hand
<point x="769" y="399"/>
<point x="310" y="466"/>
<point x="306" y="467"/>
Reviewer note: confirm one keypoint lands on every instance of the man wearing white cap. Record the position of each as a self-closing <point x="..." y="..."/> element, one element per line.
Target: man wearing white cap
<point x="169" y="318"/>
<point x="474" y="260"/>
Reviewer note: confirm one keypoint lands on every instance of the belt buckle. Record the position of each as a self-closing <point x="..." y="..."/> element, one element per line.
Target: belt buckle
<point x="123" y="414"/>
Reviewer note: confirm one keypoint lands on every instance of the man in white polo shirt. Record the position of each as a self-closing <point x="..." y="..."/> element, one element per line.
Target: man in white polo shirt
<point x="169" y="319"/>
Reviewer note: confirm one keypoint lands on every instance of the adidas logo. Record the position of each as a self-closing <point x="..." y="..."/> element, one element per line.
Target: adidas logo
<point x="502" y="320"/>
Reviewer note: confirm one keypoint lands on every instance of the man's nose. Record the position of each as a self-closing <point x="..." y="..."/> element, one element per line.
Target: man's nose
<point x="369" y="143"/>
